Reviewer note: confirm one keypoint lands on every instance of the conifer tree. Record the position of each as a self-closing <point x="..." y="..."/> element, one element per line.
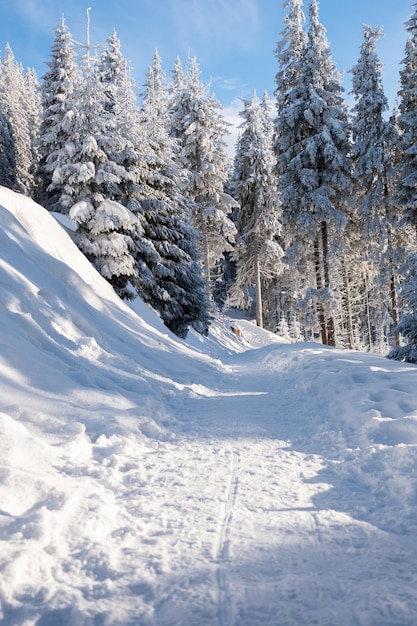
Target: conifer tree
<point x="89" y="178"/>
<point x="290" y="130"/>
<point x="7" y="143"/>
<point x="314" y="167"/>
<point x="55" y="132"/>
<point x="14" y="86"/>
<point x="374" y="139"/>
<point x="407" y="188"/>
<point x="197" y="124"/>
<point x="178" y="291"/>
<point x="32" y="106"/>
<point x="178" y="81"/>
<point x="407" y="326"/>
<point x="327" y="148"/>
<point x="407" y="119"/>
<point x="257" y="253"/>
<point x="112" y="68"/>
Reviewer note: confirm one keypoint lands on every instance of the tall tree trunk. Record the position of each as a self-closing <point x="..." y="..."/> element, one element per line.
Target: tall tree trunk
<point x="394" y="304"/>
<point x="368" y="313"/>
<point x="206" y="263"/>
<point x="393" y="289"/>
<point x="347" y="305"/>
<point x="258" y="296"/>
<point x="331" y="335"/>
<point x="319" y="283"/>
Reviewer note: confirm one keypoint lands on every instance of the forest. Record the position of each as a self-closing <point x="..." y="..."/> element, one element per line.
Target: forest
<point x="311" y="228"/>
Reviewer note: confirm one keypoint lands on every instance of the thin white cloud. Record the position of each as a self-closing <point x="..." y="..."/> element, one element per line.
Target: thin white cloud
<point x="231" y="22"/>
<point x="230" y="84"/>
<point x="231" y="115"/>
<point x="39" y="14"/>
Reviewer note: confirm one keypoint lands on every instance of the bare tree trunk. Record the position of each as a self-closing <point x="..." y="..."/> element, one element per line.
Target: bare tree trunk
<point x="258" y="296"/>
<point x="394" y="305"/>
<point x="368" y="314"/>
<point x="347" y="305"/>
<point x="319" y="283"/>
<point x="331" y="335"/>
<point x="206" y="265"/>
<point x="393" y="291"/>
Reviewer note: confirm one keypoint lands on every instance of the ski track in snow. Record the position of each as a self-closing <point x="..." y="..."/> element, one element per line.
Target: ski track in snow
<point x="222" y="542"/>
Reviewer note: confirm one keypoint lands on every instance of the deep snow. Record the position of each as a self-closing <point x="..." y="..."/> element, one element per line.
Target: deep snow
<point x="146" y="480"/>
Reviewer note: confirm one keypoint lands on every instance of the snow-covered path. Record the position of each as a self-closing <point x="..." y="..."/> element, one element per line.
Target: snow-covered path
<point x="145" y="481"/>
<point x="244" y="514"/>
<point x="294" y="544"/>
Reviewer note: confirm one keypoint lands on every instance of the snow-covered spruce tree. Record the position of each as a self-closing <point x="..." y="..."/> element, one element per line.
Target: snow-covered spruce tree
<point x="257" y="253"/>
<point x="407" y="119"/>
<point x="407" y="188"/>
<point x="32" y="106"/>
<point x="14" y="85"/>
<point x="121" y="104"/>
<point x="328" y="176"/>
<point x="199" y="127"/>
<point x="178" y="291"/>
<point x="167" y="270"/>
<point x="7" y="143"/>
<point x="178" y="81"/>
<point x="57" y="117"/>
<point x="290" y="131"/>
<point x="407" y="326"/>
<point x="89" y="178"/>
<point x="374" y="139"/>
<point x="112" y="70"/>
<point x="313" y="161"/>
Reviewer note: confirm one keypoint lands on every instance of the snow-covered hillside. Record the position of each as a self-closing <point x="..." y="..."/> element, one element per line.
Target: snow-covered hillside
<point x="148" y="481"/>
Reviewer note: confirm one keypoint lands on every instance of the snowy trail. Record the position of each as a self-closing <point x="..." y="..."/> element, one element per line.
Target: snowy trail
<point x="239" y="519"/>
<point x="285" y="555"/>
<point x="242" y="517"/>
<point x="145" y="481"/>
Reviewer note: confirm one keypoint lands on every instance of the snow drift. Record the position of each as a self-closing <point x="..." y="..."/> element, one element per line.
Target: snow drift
<point x="146" y="480"/>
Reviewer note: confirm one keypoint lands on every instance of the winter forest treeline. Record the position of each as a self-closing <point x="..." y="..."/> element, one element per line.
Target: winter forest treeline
<point x="312" y="227"/>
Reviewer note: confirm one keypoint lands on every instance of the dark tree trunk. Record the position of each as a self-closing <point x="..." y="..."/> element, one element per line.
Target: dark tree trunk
<point x="330" y="329"/>
<point x="319" y="283"/>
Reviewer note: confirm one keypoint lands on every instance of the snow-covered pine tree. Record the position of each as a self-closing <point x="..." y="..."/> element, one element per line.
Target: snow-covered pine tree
<point x="407" y="120"/>
<point x="314" y="165"/>
<point x="15" y="88"/>
<point x="407" y="189"/>
<point x="199" y="127"/>
<point x="133" y="156"/>
<point x="327" y="176"/>
<point x="32" y="106"/>
<point x="89" y="178"/>
<point x="407" y="326"/>
<point x="374" y="139"/>
<point x="257" y="254"/>
<point x="178" y="291"/>
<point x="57" y="117"/>
<point x="290" y="126"/>
<point x="112" y="69"/>
<point x="7" y="143"/>
<point x="178" y="81"/>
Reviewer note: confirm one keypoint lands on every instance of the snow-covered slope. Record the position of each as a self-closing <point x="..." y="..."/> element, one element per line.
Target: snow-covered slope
<point x="222" y="481"/>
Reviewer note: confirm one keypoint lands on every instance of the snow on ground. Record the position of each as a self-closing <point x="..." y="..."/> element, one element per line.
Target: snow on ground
<point x="230" y="481"/>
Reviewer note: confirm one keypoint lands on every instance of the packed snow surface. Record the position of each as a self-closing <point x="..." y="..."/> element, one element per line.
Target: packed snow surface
<point x="230" y="481"/>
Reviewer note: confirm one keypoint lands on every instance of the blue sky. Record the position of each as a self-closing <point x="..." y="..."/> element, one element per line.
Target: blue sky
<point x="233" y="40"/>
